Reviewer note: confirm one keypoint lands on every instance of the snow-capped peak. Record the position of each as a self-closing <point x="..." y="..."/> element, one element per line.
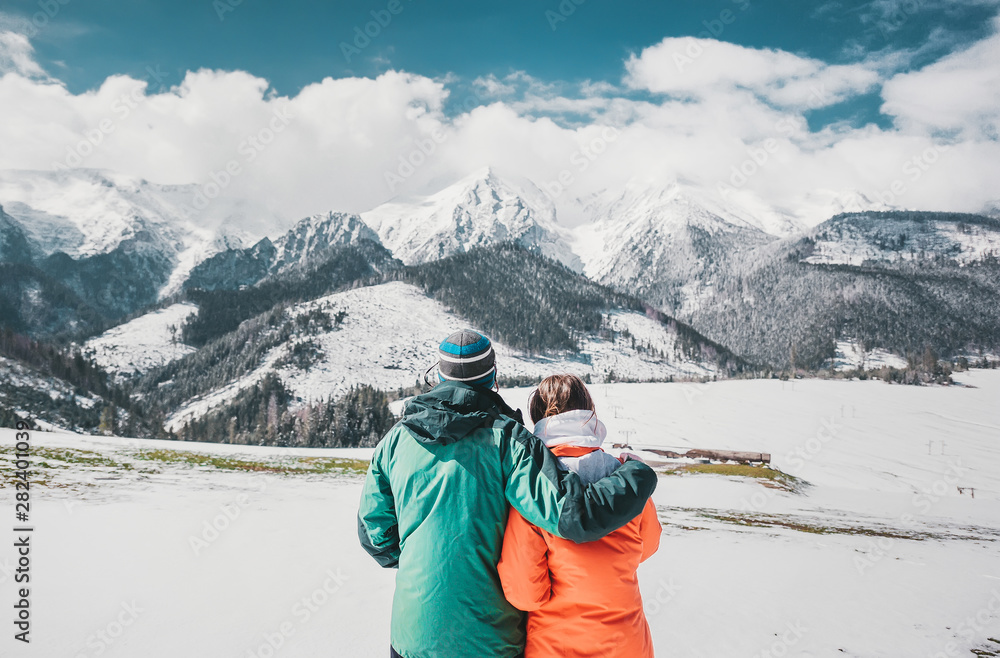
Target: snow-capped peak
<point x="477" y="210"/>
<point x="652" y="221"/>
<point x="678" y="203"/>
<point x="314" y="235"/>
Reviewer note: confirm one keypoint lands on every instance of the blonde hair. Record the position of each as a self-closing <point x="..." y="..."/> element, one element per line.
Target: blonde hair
<point x="558" y="394"/>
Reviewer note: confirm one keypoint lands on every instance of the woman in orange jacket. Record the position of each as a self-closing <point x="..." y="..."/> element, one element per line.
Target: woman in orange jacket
<point x="582" y="599"/>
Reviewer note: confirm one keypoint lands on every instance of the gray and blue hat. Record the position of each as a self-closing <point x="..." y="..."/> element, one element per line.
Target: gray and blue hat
<point x="467" y="356"/>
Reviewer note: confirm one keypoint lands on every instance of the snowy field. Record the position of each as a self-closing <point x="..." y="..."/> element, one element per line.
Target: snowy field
<point x="851" y="356"/>
<point x="877" y="549"/>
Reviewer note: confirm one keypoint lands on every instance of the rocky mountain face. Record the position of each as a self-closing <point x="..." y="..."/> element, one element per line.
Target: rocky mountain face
<point x="308" y="243"/>
<point x="233" y="269"/>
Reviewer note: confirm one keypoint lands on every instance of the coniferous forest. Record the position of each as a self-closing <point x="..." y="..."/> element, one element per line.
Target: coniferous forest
<point x="261" y="415"/>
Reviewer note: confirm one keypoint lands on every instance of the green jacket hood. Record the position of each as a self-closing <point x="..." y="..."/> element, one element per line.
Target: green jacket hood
<point x="452" y="410"/>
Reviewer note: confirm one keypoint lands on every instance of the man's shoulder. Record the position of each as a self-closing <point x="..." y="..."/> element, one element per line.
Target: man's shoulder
<point x="389" y="440"/>
<point x="512" y="427"/>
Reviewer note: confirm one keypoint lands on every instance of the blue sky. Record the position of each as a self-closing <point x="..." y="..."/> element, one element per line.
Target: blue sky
<point x="293" y="44"/>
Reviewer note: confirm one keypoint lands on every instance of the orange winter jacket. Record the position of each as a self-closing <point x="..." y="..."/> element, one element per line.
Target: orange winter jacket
<point x="582" y="599"/>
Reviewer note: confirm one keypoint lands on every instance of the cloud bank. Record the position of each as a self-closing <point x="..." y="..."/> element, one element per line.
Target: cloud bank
<point x="722" y="116"/>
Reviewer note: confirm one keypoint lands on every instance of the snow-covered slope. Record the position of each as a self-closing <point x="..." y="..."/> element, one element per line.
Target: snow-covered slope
<point x="898" y="236"/>
<point x="813" y="207"/>
<point x="851" y="356"/>
<point x="86" y="212"/>
<point x="147" y="342"/>
<point x="887" y="554"/>
<point x="390" y="335"/>
<point x="481" y="209"/>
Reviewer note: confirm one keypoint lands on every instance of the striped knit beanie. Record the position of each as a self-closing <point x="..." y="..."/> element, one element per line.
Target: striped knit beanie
<point x="467" y="356"/>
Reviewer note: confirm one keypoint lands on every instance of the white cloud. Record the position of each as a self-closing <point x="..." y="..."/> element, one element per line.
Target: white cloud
<point x="17" y="56"/>
<point x="597" y="88"/>
<point x="689" y="66"/>
<point x="959" y="93"/>
<point x="490" y="86"/>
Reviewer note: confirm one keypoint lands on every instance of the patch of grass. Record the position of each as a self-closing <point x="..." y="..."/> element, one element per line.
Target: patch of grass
<point x="50" y="467"/>
<point x="799" y="525"/>
<point x="66" y="457"/>
<point x="334" y="464"/>
<point x="686" y="528"/>
<point x="46" y="461"/>
<point x="36" y="477"/>
<point x="293" y="465"/>
<point x="682" y="518"/>
<point x="209" y="461"/>
<point x="770" y="477"/>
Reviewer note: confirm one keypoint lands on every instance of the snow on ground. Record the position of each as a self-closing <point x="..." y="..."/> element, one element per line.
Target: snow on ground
<point x="147" y="342"/>
<point x="851" y="356"/>
<point x="880" y="555"/>
<point x="390" y="336"/>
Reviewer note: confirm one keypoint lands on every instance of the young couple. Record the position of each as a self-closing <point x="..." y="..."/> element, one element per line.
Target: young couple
<point x="486" y="521"/>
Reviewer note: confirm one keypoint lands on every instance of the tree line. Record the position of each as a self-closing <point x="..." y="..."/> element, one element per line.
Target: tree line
<point x="263" y="414"/>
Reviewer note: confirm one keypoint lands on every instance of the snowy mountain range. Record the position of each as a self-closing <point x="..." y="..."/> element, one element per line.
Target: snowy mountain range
<point x="198" y="306"/>
<point x="666" y="242"/>
<point x="97" y="246"/>
<point x="646" y="230"/>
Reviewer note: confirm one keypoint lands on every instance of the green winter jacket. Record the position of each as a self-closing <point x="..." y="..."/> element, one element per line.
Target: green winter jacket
<point x="435" y="506"/>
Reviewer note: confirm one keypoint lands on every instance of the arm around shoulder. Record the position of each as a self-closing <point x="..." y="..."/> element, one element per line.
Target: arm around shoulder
<point x="555" y="500"/>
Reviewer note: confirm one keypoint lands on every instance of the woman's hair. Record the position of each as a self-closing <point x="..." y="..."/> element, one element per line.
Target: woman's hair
<point x="558" y="394"/>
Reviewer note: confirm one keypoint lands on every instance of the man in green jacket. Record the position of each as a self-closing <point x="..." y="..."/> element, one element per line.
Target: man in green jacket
<point x="435" y="507"/>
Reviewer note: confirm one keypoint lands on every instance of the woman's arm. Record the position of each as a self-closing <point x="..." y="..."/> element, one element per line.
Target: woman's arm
<point x="557" y="501"/>
<point x="524" y="565"/>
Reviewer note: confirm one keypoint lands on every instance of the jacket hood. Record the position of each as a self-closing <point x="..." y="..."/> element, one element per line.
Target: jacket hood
<point x="452" y="410"/>
<point x="576" y="428"/>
